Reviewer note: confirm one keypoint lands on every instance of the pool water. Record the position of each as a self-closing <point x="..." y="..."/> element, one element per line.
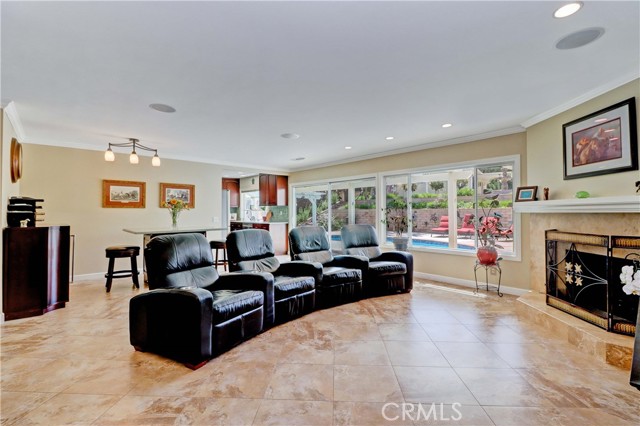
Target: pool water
<point x="420" y="243"/>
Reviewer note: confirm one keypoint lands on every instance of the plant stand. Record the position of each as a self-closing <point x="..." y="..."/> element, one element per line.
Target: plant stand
<point x="487" y="267"/>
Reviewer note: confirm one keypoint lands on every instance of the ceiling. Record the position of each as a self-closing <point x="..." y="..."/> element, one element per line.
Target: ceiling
<point x="241" y="74"/>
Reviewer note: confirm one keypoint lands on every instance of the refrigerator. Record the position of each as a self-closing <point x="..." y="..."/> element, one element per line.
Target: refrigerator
<point x="225" y="217"/>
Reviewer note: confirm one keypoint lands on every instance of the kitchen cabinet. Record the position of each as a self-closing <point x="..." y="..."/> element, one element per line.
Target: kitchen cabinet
<point x="273" y="190"/>
<point x="233" y="186"/>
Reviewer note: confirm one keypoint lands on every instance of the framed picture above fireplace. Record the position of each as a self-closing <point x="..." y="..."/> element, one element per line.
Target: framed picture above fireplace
<point x="602" y="142"/>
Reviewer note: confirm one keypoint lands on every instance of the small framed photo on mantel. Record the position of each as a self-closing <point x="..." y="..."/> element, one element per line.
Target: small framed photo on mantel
<point x="526" y="193"/>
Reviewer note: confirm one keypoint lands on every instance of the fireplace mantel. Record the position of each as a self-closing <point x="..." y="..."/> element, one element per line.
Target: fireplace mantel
<point x="619" y="204"/>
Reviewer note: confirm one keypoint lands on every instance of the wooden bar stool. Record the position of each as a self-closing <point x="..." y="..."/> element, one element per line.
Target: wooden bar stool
<point x="219" y="245"/>
<point x="115" y="252"/>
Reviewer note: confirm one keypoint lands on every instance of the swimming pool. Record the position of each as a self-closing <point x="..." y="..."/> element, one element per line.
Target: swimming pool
<point x="420" y="243"/>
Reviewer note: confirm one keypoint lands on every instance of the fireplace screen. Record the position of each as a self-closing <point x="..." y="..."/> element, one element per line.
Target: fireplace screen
<point x="583" y="278"/>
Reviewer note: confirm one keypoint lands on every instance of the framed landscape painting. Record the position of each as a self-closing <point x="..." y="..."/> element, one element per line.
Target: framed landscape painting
<point x="179" y="191"/>
<point x="601" y="143"/>
<point x="123" y="194"/>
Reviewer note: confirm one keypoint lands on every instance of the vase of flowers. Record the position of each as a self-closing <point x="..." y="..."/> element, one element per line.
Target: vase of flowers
<point x="175" y="206"/>
<point x="488" y="227"/>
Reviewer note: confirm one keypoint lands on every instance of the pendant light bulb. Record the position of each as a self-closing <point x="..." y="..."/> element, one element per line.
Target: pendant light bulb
<point x="109" y="155"/>
<point x="133" y="158"/>
<point x="155" y="161"/>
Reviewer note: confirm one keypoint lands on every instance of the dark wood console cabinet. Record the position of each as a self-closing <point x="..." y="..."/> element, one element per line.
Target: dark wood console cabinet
<point x="35" y="276"/>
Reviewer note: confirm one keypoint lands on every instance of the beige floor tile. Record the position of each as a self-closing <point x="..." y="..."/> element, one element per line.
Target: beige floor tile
<point x="439" y="385"/>
<point x="369" y="414"/>
<point x="145" y="410"/>
<point x="420" y="354"/>
<point x="58" y="365"/>
<point x="451" y="414"/>
<point x="301" y="382"/>
<point x="404" y="332"/>
<point x="307" y="352"/>
<point x="470" y="354"/>
<point x="294" y="413"/>
<point x="500" y="386"/>
<point x="449" y="333"/>
<point x="365" y="384"/>
<point x="15" y="405"/>
<point x="434" y="316"/>
<point x="66" y="408"/>
<point x="359" y="352"/>
<point x="535" y="416"/>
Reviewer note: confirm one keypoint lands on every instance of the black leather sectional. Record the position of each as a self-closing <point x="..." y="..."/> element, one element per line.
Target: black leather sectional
<point x="192" y="314"/>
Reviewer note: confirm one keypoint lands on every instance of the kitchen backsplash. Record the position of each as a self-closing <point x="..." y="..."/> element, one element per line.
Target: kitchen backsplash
<point x="280" y="213"/>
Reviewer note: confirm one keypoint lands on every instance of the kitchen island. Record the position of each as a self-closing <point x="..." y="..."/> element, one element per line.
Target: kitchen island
<point x="149" y="233"/>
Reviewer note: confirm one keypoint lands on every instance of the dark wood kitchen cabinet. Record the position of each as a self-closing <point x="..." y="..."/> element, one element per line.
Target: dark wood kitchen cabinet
<point x="233" y="185"/>
<point x="274" y="190"/>
<point x="35" y="276"/>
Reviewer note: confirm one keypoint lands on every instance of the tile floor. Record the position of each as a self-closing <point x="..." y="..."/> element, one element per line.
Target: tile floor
<point x="450" y="357"/>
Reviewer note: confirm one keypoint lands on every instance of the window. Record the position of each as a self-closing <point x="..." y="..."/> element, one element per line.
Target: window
<point x="440" y="209"/>
<point x="433" y="209"/>
<point x="352" y="201"/>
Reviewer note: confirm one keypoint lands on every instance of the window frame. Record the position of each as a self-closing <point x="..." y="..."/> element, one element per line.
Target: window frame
<point x="379" y="177"/>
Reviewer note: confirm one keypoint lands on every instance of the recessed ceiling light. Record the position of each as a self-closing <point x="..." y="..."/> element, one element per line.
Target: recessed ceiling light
<point x="162" y="107"/>
<point x="290" y="135"/>
<point x="445" y="125"/>
<point x="567" y="10"/>
<point x="347" y="147"/>
<point x="579" y="38"/>
<point x="389" y="138"/>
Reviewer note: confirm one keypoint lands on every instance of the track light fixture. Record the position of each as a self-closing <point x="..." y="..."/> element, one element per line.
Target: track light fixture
<point x="133" y="158"/>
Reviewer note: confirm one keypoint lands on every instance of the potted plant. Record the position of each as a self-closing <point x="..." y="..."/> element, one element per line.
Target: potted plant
<point x="396" y="219"/>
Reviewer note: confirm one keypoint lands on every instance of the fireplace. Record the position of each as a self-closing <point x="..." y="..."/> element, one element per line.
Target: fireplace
<point x="583" y="278"/>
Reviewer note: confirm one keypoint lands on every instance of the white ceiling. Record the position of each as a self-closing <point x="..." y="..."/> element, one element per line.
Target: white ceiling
<point x="82" y="74"/>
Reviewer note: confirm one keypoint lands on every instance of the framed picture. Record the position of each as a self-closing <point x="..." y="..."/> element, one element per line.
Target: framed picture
<point x="123" y="193"/>
<point x="526" y="193"/>
<point x="601" y="143"/>
<point x="179" y="191"/>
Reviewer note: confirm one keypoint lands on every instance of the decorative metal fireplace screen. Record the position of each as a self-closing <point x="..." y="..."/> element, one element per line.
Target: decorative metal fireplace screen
<point x="583" y="278"/>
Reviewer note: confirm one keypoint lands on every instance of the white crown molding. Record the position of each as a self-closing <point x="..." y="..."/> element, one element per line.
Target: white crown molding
<point x="619" y="204"/>
<point x="14" y="118"/>
<point x="580" y="100"/>
<point x="413" y="148"/>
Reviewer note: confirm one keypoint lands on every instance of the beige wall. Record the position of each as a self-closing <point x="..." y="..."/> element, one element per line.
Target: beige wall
<point x="70" y="182"/>
<point x="7" y="189"/>
<point x="460" y="267"/>
<point x="544" y="152"/>
<point x="544" y="157"/>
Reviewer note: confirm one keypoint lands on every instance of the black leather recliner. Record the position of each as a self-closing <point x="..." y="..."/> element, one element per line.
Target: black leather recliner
<point x="294" y="282"/>
<point x="191" y="314"/>
<point x="388" y="272"/>
<point x="341" y="280"/>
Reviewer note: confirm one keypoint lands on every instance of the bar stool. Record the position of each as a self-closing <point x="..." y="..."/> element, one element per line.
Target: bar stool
<point x="114" y="252"/>
<point x="219" y="245"/>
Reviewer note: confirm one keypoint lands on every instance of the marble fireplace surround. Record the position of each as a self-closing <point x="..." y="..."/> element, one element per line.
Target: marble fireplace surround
<point x="604" y="215"/>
